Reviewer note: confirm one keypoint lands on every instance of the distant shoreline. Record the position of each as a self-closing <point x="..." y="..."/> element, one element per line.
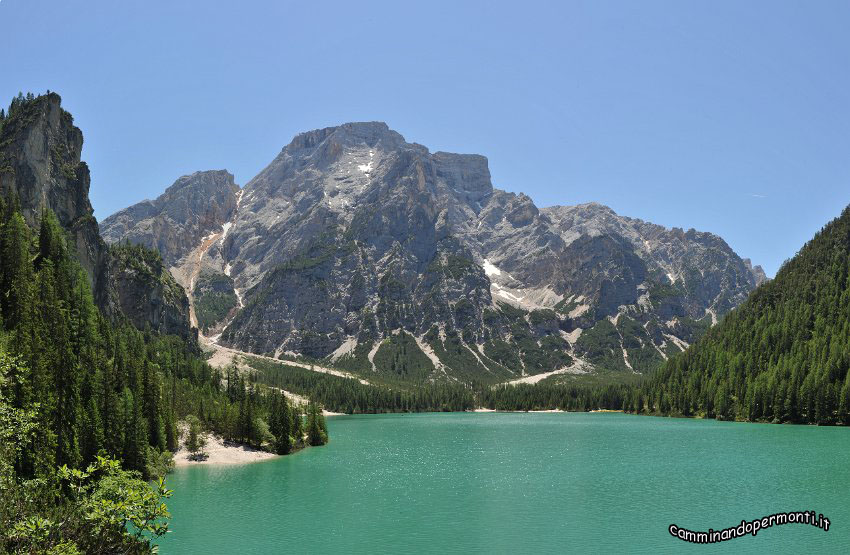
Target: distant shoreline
<point x="482" y="409"/>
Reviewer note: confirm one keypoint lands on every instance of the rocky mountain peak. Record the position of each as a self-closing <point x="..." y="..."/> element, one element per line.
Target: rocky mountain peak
<point x="369" y="132"/>
<point x="468" y="175"/>
<point x="757" y="271"/>
<point x="353" y="238"/>
<point x="202" y="182"/>
<point x="193" y="207"/>
<point x="324" y="147"/>
<point x="47" y="147"/>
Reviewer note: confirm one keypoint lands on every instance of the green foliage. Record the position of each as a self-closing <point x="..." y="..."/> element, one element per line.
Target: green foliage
<point x="566" y="306"/>
<point x="195" y="440"/>
<point x="643" y="356"/>
<point x="340" y="394"/>
<point x="214" y="299"/>
<point x="317" y="430"/>
<point x="117" y="502"/>
<point x="101" y="509"/>
<point x="282" y="427"/>
<point x="399" y="355"/>
<point x="146" y="266"/>
<point x="452" y="265"/>
<point x="538" y="317"/>
<point x="541" y="396"/>
<point x="159" y="463"/>
<point x="782" y="356"/>
<point x="462" y="362"/>
<point x="534" y="351"/>
<point x="602" y="345"/>
<point x="503" y="353"/>
<point x="661" y="290"/>
<point x="76" y="388"/>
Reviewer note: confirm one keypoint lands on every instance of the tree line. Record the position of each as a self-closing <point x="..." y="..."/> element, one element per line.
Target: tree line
<point x="342" y="394"/>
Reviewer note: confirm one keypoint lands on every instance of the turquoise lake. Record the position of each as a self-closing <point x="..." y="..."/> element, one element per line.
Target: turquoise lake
<point x="517" y="482"/>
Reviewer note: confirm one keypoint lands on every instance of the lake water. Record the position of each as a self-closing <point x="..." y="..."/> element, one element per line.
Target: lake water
<point x="507" y="483"/>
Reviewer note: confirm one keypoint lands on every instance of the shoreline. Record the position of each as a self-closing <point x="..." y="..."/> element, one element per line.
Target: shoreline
<point x="222" y="453"/>
<point x="226" y="453"/>
<point x="485" y="410"/>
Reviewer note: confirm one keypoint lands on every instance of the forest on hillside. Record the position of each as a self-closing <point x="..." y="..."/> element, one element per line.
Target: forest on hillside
<point x="89" y="407"/>
<point x="782" y="356"/>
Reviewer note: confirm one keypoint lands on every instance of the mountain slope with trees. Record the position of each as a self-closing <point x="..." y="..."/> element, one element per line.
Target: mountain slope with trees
<point x="782" y="356"/>
<point x="90" y="396"/>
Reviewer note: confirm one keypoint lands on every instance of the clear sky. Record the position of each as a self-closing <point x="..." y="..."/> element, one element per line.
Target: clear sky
<point x="726" y="116"/>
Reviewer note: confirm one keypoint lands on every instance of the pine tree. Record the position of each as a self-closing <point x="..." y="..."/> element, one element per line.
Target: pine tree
<point x="297" y="426"/>
<point x="281" y="424"/>
<point x="151" y="406"/>
<point x="195" y="440"/>
<point x="113" y="430"/>
<point x="16" y="282"/>
<point x="316" y="430"/>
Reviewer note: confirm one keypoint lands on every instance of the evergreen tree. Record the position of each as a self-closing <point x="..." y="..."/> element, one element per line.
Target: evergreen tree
<point x="195" y="440"/>
<point x="16" y="282"/>
<point x="281" y="424"/>
<point x="151" y="406"/>
<point x="316" y="429"/>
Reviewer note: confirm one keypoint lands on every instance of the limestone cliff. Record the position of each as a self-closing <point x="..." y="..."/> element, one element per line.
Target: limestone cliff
<point x="40" y="166"/>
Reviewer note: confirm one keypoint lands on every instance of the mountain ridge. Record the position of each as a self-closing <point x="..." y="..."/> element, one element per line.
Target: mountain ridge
<point x="392" y="241"/>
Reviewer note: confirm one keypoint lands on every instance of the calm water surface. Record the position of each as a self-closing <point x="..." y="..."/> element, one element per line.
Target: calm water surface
<point x="509" y="483"/>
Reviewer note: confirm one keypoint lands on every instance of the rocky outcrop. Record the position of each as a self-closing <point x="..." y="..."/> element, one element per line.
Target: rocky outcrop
<point x="40" y="166"/>
<point x="174" y="224"/>
<point x="147" y="293"/>
<point x="708" y="273"/>
<point x="353" y="244"/>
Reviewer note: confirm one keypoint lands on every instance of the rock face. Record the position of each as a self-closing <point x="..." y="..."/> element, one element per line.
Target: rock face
<point x="358" y="247"/>
<point x="174" y="224"/>
<point x="147" y="293"/>
<point x="40" y="165"/>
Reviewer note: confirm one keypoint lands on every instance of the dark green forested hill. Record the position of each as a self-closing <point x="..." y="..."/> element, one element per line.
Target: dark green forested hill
<point x="781" y="356"/>
<point x="89" y="398"/>
<point x="89" y="407"/>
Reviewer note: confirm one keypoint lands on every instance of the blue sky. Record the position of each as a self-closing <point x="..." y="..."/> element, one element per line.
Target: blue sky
<point x="725" y="116"/>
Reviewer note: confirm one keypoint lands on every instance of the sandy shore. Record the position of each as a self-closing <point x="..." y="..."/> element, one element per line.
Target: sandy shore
<point x="221" y="452"/>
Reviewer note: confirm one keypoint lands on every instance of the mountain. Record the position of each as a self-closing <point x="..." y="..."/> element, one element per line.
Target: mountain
<point x="40" y="169"/>
<point x="181" y="223"/>
<point x="359" y="248"/>
<point x="782" y="356"/>
<point x="175" y="223"/>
